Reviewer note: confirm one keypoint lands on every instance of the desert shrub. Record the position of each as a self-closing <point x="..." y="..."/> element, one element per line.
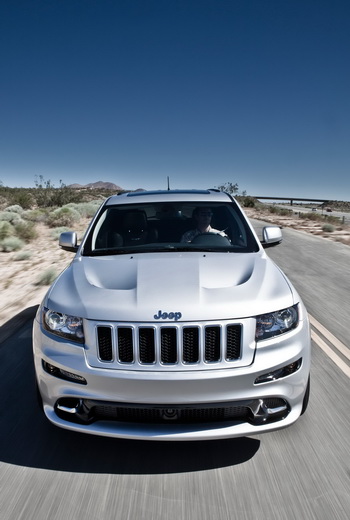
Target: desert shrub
<point x="283" y="212"/>
<point x="332" y="219"/>
<point x="63" y="195"/>
<point x="47" y="277"/>
<point x="63" y="217"/>
<point x="15" y="209"/>
<point x="11" y="244"/>
<point x="46" y="195"/>
<point x="26" y="230"/>
<point x="35" y="215"/>
<point x="55" y="233"/>
<point x="24" y="255"/>
<point x="311" y="216"/>
<point x="3" y="201"/>
<point x="248" y="202"/>
<point x="21" y="197"/>
<point x="86" y="209"/>
<point x="328" y="228"/>
<point x="9" y="216"/>
<point x="6" y="229"/>
<point x="316" y="217"/>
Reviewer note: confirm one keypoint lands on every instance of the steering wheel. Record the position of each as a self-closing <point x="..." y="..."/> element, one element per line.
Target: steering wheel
<point x="213" y="239"/>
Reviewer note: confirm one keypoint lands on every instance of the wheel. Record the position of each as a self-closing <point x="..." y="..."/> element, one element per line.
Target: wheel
<point x="306" y="398"/>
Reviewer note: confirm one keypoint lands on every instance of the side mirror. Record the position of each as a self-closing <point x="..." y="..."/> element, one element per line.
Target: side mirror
<point x="69" y="241"/>
<point x="271" y="236"/>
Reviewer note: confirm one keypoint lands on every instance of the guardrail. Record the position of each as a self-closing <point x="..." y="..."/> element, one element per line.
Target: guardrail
<point x="293" y="199"/>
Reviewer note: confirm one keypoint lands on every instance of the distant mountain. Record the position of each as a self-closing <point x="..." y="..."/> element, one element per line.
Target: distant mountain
<point x="75" y="186"/>
<point x="97" y="185"/>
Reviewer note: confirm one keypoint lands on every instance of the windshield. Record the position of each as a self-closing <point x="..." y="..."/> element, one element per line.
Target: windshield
<point x="176" y="226"/>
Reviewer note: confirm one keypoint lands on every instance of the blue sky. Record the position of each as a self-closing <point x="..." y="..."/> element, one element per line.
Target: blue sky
<point x="132" y="91"/>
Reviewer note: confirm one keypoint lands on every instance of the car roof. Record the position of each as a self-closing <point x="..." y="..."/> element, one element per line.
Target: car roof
<point x="134" y="197"/>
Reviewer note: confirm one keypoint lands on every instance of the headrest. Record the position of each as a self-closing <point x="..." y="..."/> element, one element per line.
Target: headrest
<point x="134" y="220"/>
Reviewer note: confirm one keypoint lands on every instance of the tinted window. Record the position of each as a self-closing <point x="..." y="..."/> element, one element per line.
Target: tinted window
<point x="170" y="226"/>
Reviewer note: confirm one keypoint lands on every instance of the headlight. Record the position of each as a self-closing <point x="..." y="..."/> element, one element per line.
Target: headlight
<point x="275" y="323"/>
<point x="70" y="327"/>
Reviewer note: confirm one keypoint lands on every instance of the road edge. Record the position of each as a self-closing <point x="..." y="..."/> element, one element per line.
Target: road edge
<point x="16" y="322"/>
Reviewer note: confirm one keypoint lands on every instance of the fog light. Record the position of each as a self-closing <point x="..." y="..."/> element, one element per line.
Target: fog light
<point x="63" y="374"/>
<point x="72" y="409"/>
<point x="49" y="368"/>
<point x="268" y="410"/>
<point x="279" y="373"/>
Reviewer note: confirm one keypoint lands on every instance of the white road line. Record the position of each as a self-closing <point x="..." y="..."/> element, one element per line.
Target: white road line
<point x="330" y="353"/>
<point x="329" y="336"/>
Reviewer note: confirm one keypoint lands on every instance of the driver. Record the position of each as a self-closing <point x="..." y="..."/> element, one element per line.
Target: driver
<point x="202" y="216"/>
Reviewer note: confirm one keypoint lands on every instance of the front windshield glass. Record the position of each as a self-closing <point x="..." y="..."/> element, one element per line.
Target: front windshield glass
<point x="175" y="226"/>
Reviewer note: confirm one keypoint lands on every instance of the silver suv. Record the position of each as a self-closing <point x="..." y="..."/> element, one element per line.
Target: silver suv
<point x="172" y="323"/>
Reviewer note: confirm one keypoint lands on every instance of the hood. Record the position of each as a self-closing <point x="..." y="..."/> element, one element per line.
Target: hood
<point x="171" y="286"/>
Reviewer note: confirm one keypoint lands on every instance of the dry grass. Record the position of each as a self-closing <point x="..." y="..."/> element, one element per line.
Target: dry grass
<point x="340" y="233"/>
<point x="19" y="279"/>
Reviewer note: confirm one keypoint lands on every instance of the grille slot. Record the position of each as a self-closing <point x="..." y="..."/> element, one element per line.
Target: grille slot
<point x="125" y="345"/>
<point x="105" y="348"/>
<point x="168" y="347"/>
<point x="149" y="345"/>
<point x="233" y="342"/>
<point x="212" y="344"/>
<point x="190" y="345"/>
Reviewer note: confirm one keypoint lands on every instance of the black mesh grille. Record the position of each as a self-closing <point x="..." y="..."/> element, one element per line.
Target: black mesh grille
<point x="233" y="342"/>
<point x="274" y="402"/>
<point x="168" y="348"/>
<point x="125" y="345"/>
<point x="175" y="415"/>
<point x="146" y="345"/>
<point x="212" y="344"/>
<point x="105" y="349"/>
<point x="190" y="345"/>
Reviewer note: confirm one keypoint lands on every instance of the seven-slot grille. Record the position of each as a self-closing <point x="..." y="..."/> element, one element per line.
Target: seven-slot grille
<point x="169" y="345"/>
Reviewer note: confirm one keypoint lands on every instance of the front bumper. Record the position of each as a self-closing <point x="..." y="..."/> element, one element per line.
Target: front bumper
<point x="267" y="406"/>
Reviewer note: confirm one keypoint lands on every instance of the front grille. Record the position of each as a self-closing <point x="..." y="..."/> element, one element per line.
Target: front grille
<point x="104" y="335"/>
<point x="233" y="344"/>
<point x="212" y="343"/>
<point x="163" y="415"/>
<point x="146" y="346"/>
<point x="170" y="345"/>
<point x="125" y="350"/>
<point x="190" y="344"/>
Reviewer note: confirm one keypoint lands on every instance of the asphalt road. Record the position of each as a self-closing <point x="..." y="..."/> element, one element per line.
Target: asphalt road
<point x="320" y="270"/>
<point x="302" y="472"/>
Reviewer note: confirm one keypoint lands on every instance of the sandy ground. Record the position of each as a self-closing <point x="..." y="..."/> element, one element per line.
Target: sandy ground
<point x="19" y="278"/>
<point x="340" y="234"/>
